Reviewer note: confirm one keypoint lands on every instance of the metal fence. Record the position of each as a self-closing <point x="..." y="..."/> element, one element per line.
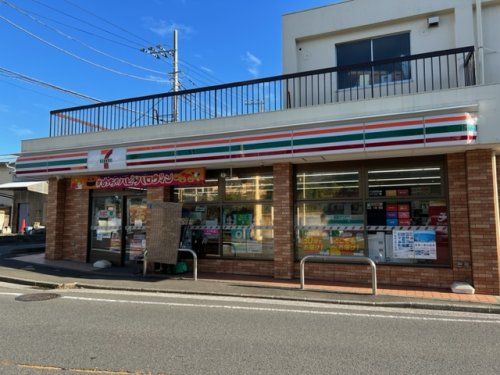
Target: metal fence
<point x="399" y="76"/>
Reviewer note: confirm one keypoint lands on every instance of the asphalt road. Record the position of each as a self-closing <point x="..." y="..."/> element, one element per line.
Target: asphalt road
<point x="102" y="332"/>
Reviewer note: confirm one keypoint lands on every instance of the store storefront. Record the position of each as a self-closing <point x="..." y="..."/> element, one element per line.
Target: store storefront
<point x="393" y="211"/>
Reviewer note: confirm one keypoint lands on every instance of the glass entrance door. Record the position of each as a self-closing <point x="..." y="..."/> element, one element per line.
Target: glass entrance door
<point x="106" y="229"/>
<point x="135" y="240"/>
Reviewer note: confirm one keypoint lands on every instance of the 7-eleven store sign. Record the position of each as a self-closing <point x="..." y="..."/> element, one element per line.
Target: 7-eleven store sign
<point x="107" y="160"/>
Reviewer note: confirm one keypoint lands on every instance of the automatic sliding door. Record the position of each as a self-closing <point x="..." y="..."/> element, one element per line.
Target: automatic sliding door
<point x="106" y="229"/>
<point x="135" y="241"/>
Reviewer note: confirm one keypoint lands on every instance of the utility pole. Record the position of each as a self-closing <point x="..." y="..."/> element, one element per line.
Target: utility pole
<point x="160" y="51"/>
<point x="175" y="78"/>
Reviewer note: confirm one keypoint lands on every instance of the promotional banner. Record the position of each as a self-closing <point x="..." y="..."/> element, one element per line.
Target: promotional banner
<point x="185" y="177"/>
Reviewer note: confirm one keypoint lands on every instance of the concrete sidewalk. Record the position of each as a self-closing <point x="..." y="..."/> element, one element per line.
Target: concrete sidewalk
<point x="71" y="274"/>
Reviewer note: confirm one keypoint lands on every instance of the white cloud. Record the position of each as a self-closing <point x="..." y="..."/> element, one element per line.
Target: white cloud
<point x="163" y="28"/>
<point x="158" y="79"/>
<point x="19" y="131"/>
<point x="208" y="70"/>
<point x="253" y="63"/>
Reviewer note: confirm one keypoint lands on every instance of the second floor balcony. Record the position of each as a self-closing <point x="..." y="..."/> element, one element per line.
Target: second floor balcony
<point x="406" y="75"/>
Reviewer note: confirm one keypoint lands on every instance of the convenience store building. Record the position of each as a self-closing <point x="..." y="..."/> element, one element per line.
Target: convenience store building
<point x="379" y="139"/>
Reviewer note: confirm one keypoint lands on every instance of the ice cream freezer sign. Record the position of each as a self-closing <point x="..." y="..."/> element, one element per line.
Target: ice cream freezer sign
<point x="107" y="159"/>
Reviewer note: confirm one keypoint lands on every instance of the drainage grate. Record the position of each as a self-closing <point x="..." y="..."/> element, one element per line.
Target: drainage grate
<point x="36" y="297"/>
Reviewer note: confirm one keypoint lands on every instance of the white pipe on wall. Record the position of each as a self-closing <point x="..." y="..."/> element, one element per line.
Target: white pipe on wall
<point x="480" y="42"/>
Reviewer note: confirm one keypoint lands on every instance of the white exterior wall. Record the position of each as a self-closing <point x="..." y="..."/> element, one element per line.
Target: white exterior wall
<point x="309" y="37"/>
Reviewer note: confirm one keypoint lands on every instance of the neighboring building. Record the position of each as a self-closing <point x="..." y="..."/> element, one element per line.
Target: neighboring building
<point x="6" y="199"/>
<point x="22" y="204"/>
<point x="387" y="149"/>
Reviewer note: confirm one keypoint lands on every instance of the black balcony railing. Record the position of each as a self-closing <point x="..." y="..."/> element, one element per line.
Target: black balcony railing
<point x="399" y="76"/>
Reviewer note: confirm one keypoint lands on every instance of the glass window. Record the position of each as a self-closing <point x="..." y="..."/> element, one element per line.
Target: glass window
<point x="402" y="182"/>
<point x="254" y="187"/>
<point x="327" y="185"/>
<point x="366" y="51"/>
<point x="248" y="231"/>
<point x="201" y="228"/>
<point x="216" y="225"/>
<point x="389" y="47"/>
<point x="413" y="231"/>
<point x="330" y="229"/>
<point x="353" y="53"/>
<point x="207" y="193"/>
<point x="400" y="218"/>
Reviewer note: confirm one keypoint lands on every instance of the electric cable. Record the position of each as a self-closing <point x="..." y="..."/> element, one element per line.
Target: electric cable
<point x="83" y="21"/>
<point x="107" y="21"/>
<point x="22" y="11"/>
<point x="26" y="78"/>
<point x="75" y="55"/>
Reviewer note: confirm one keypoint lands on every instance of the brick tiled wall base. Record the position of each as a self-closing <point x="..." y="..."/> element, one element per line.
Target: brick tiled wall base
<point x="386" y="275"/>
<point x="237" y="267"/>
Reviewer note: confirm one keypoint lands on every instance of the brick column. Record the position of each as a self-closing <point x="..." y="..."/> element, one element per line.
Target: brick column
<point x="283" y="221"/>
<point x="459" y="234"/>
<point x="54" y="223"/>
<point x="482" y="197"/>
<point x="76" y="224"/>
<point x="159" y="194"/>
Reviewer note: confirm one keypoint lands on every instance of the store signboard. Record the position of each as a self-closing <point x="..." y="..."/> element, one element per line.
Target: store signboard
<point x="185" y="177"/>
<point x="414" y="244"/>
<point x="107" y="159"/>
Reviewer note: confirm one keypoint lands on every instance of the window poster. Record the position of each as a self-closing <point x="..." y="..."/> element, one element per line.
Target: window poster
<point x="418" y="244"/>
<point x="403" y="244"/>
<point x="424" y="244"/>
<point x="312" y="244"/>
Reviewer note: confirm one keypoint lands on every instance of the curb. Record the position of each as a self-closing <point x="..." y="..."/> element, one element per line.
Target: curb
<point x="485" y="309"/>
<point x="41" y="284"/>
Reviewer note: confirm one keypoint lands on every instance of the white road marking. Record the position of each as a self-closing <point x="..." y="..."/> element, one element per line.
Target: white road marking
<point x="269" y="309"/>
<point x="278" y="302"/>
<point x="9" y="294"/>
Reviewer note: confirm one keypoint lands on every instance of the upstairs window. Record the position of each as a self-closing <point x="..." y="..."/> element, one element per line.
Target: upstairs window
<point x="370" y="50"/>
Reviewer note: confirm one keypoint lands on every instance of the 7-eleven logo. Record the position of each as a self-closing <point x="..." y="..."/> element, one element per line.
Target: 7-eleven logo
<point x="106" y="158"/>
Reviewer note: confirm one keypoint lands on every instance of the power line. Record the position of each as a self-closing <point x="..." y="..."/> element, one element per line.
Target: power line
<point x="35" y="91"/>
<point x="83" y="21"/>
<point x="22" y="11"/>
<point x="75" y="55"/>
<point x="209" y="79"/>
<point x="84" y="31"/>
<point x="200" y="72"/>
<point x="107" y="21"/>
<point x="32" y="80"/>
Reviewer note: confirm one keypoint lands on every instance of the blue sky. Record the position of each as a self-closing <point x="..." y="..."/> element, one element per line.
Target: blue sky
<point x="220" y="40"/>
